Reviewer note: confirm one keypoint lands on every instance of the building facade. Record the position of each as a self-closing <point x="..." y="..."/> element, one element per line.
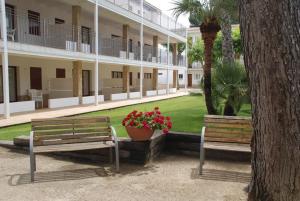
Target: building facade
<point x="63" y="53"/>
<point x="195" y="70"/>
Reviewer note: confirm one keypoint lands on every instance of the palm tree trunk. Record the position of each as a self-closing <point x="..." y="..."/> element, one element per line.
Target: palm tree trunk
<point x="208" y="38"/>
<point x="227" y="44"/>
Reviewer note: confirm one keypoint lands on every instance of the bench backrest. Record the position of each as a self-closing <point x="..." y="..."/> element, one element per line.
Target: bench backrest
<point x="71" y="130"/>
<point x="228" y="129"/>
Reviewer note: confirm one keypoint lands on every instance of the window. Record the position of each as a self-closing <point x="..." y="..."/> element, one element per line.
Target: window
<point x="160" y="73"/>
<point x="60" y="73"/>
<point x="10" y="17"/>
<point x="197" y="76"/>
<point x="147" y="76"/>
<point x="34" y="23"/>
<point x="59" y="21"/>
<point x="180" y="76"/>
<point x="130" y="45"/>
<point x="116" y="74"/>
<point x="85" y="33"/>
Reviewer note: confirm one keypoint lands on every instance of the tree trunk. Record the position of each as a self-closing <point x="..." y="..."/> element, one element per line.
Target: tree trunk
<point x="228" y="110"/>
<point x="227" y="44"/>
<point x="271" y="38"/>
<point x="208" y="38"/>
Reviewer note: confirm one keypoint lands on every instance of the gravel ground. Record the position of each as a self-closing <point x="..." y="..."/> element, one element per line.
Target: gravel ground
<point x="171" y="178"/>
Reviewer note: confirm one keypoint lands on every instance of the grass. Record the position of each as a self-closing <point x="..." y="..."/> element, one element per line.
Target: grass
<point x="186" y="112"/>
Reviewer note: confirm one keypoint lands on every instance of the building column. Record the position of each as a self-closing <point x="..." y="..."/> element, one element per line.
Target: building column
<point x="174" y="53"/>
<point x="125" y="39"/>
<point x="76" y="23"/>
<point x="77" y="79"/>
<point x="5" y="61"/>
<point x="141" y="48"/>
<point x="175" y="77"/>
<point x="126" y="86"/>
<point x="155" y="79"/>
<point x="155" y="47"/>
<point x="168" y="53"/>
<point x="96" y="71"/>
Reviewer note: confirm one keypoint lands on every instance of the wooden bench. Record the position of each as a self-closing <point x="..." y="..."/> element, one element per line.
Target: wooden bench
<point x="225" y="133"/>
<point x="71" y="134"/>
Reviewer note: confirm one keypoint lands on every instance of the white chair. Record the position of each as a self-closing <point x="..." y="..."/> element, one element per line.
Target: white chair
<point x="37" y="96"/>
<point x="11" y="34"/>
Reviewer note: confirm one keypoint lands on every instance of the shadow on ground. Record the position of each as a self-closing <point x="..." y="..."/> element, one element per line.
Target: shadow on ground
<point x="221" y="175"/>
<point x="78" y="174"/>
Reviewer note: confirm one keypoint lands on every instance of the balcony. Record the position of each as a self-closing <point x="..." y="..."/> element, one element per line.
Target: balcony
<point x="152" y="15"/>
<point x="48" y="33"/>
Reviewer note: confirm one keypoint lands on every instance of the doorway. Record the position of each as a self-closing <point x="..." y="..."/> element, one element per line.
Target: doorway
<point x="85" y="82"/>
<point x="190" y="80"/>
<point x="36" y="78"/>
<point x="12" y="76"/>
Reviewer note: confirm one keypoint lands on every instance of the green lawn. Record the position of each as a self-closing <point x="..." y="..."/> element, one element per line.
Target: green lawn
<point x="186" y="113"/>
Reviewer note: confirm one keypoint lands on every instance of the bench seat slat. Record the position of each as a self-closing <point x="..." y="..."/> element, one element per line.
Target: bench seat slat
<point x="74" y="140"/>
<point x="71" y="147"/>
<point x="228" y="146"/>
<point x="71" y="136"/>
<point x="224" y="125"/>
<point x="229" y="140"/>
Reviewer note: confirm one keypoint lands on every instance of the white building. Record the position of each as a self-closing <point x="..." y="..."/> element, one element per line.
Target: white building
<point x="62" y="53"/>
<point x="195" y="71"/>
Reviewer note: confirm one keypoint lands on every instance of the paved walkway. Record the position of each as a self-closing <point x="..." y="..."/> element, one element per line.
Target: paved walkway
<point x="171" y="178"/>
<point x="52" y="113"/>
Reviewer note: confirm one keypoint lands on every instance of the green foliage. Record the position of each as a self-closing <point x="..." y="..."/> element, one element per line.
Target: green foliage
<point x="237" y="44"/>
<point x="229" y="86"/>
<point x="196" y="53"/>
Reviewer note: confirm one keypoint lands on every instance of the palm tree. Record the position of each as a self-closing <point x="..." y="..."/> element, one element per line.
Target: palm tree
<point x="210" y="16"/>
<point x="229" y="87"/>
<point x="203" y="15"/>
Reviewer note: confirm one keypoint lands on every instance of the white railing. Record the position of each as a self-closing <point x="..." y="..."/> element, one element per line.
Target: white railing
<point x="151" y="14"/>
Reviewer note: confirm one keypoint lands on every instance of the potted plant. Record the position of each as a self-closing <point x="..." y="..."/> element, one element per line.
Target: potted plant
<point x="140" y="126"/>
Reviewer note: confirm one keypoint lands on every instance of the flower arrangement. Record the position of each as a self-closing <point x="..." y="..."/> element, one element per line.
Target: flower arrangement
<point x="153" y="120"/>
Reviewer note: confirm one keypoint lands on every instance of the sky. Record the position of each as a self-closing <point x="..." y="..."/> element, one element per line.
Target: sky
<point x="166" y="6"/>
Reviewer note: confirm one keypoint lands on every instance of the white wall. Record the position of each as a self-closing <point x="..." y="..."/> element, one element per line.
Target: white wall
<point x="15" y="107"/>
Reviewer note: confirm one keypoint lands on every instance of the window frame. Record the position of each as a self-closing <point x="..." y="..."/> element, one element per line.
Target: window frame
<point x="34" y="23"/>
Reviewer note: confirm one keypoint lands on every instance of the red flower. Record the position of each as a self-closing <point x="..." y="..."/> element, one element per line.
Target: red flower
<point x="131" y="123"/>
<point x="165" y="130"/>
<point x="168" y="118"/>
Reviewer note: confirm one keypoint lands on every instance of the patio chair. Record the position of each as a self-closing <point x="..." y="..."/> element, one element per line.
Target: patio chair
<point x="11" y="34"/>
<point x="37" y="96"/>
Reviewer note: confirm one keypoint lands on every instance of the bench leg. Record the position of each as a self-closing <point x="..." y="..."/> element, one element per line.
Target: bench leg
<point x="32" y="166"/>
<point x="117" y="158"/>
<point x="202" y="158"/>
<point x="111" y="155"/>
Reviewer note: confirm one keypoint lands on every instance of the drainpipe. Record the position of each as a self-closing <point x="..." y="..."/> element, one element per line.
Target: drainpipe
<point x="142" y="46"/>
<point x="96" y="21"/>
<point x="5" y="61"/>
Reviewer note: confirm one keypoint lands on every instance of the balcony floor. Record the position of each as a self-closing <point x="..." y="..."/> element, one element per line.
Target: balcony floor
<point x="21" y="118"/>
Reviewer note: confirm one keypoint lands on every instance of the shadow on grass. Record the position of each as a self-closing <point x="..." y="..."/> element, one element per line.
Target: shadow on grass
<point x="221" y="175"/>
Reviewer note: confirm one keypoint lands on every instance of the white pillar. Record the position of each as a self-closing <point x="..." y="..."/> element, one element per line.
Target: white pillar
<point x="168" y="53"/>
<point x="142" y="46"/>
<point x="186" y="60"/>
<point x="5" y="61"/>
<point x="96" y="21"/>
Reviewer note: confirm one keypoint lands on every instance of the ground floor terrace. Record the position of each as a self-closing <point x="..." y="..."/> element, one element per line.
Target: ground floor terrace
<point x="36" y="83"/>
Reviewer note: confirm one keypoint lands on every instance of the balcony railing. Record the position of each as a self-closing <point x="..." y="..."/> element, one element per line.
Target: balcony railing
<point x="151" y="14"/>
<point x="44" y="32"/>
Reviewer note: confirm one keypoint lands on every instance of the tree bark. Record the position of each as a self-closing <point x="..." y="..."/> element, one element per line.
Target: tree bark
<point x="227" y="44"/>
<point x="271" y="38"/>
<point x="208" y="38"/>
